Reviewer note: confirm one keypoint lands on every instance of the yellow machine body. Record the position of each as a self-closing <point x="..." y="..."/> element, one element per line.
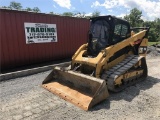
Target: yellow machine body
<point x="85" y="90"/>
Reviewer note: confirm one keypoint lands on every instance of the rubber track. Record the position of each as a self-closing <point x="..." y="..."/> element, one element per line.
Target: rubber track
<point x="112" y="74"/>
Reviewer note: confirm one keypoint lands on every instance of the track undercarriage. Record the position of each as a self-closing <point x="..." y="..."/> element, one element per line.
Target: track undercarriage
<point x="128" y="72"/>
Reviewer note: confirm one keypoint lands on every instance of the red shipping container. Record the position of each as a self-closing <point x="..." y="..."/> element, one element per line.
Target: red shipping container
<point x="14" y="52"/>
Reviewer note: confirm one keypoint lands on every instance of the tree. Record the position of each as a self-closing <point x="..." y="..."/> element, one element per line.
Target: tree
<point x="96" y="13"/>
<point x="157" y="29"/>
<point x="152" y="36"/>
<point x="51" y="12"/>
<point x="36" y="9"/>
<point x="79" y="14"/>
<point x="18" y="6"/>
<point x="154" y="32"/>
<point x="134" y="18"/>
<point x="157" y="25"/>
<point x="15" y="5"/>
<point x="28" y="9"/>
<point x="5" y="7"/>
<point x="68" y="14"/>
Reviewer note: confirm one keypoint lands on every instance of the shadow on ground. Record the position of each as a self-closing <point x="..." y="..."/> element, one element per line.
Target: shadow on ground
<point x="128" y="94"/>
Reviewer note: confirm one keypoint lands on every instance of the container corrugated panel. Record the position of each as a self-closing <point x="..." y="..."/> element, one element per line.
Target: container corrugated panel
<point x="14" y="52"/>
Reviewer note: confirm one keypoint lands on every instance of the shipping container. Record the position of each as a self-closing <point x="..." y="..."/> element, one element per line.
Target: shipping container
<point x="15" y="52"/>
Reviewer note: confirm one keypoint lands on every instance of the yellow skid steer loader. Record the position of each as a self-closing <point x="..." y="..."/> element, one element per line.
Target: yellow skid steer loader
<point x="113" y="59"/>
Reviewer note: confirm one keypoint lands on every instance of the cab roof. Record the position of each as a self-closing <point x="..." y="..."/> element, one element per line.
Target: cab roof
<point x="110" y="19"/>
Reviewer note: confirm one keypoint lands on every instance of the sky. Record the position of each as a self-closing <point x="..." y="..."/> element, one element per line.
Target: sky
<point x="150" y="8"/>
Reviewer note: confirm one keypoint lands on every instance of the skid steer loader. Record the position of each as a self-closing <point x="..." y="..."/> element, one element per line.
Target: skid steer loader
<point x="113" y="59"/>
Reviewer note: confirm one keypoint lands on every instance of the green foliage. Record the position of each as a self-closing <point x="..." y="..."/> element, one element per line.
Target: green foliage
<point x="5" y="7"/>
<point x="15" y="5"/>
<point x="96" y="13"/>
<point x="51" y="13"/>
<point x="153" y="43"/>
<point x="68" y="14"/>
<point x="157" y="26"/>
<point x="152" y="36"/>
<point x="36" y="9"/>
<point x="80" y="15"/>
<point x="134" y="17"/>
<point x="18" y="6"/>
<point x="154" y="33"/>
<point x="28" y="9"/>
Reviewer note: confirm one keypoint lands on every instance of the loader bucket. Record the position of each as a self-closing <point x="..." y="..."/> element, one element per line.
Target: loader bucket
<point x="81" y="90"/>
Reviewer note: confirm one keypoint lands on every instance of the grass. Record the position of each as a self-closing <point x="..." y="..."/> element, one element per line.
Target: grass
<point x="152" y="43"/>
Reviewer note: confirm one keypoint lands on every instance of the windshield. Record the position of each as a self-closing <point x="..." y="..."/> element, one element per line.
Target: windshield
<point x="100" y="35"/>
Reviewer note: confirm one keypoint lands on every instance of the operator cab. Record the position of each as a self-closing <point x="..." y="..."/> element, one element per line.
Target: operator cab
<point x="106" y="31"/>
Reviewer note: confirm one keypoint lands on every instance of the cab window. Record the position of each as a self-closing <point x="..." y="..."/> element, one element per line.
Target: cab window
<point x="120" y="32"/>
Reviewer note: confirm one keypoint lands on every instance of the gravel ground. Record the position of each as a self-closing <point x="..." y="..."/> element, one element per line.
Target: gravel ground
<point x="24" y="98"/>
<point x="154" y="50"/>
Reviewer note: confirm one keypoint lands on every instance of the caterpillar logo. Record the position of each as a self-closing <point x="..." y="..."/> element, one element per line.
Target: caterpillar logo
<point x="142" y="49"/>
